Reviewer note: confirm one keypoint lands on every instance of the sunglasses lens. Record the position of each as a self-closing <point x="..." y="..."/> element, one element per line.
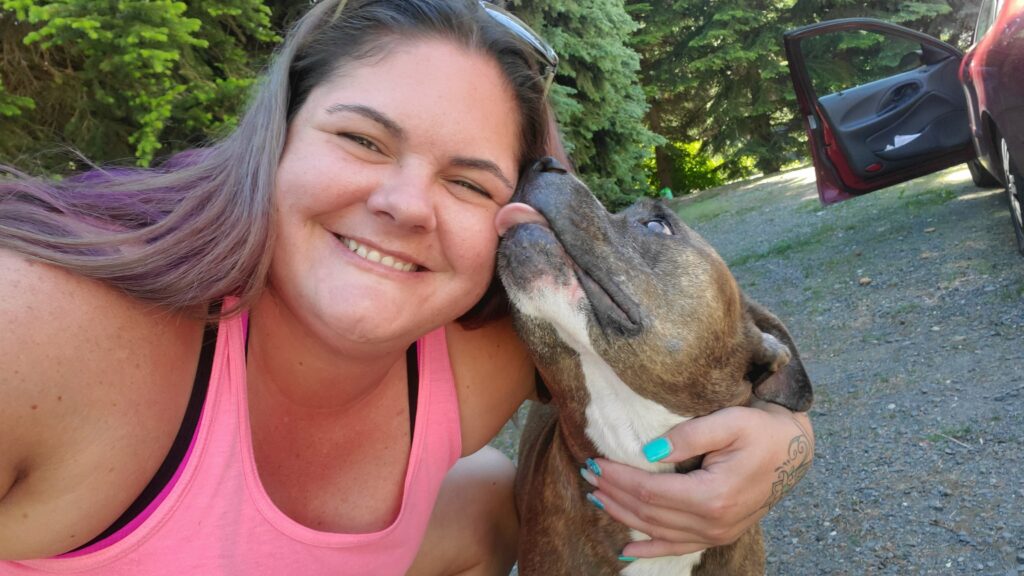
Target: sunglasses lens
<point x="544" y="51"/>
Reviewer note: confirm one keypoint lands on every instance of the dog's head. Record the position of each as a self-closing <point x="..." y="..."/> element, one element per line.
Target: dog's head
<point x="643" y="292"/>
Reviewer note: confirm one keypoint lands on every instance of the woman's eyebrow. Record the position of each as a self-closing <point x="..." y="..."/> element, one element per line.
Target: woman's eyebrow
<point x="370" y="114"/>
<point x="486" y="166"/>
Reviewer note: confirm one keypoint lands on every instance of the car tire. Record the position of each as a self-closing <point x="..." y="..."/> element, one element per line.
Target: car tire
<point x="1014" y="194"/>
<point x="982" y="178"/>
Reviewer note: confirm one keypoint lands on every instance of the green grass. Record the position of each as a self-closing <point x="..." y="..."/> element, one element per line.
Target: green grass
<point x="982" y="267"/>
<point x="954" y="273"/>
<point x="1012" y="294"/>
<point x="924" y="197"/>
<point x="957" y="433"/>
<point x="787" y="245"/>
<point x="703" y="211"/>
<point x="812" y="206"/>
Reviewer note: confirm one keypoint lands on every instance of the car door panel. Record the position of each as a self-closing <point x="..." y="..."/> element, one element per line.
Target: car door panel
<point x="884" y="126"/>
<point x="878" y="132"/>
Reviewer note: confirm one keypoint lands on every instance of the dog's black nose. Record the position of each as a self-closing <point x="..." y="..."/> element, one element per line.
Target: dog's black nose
<point x="548" y="164"/>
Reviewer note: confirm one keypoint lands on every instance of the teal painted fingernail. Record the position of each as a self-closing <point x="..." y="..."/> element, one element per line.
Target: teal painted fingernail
<point x="593" y="467"/>
<point x="657" y="449"/>
<point x="593" y="500"/>
<point x="588" y="476"/>
<point x="627" y="559"/>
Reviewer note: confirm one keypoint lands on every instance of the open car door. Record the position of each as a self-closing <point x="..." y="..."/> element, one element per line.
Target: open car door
<point x="881" y="104"/>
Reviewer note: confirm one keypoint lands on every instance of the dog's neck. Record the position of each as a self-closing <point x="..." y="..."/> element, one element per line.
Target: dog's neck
<point x="616" y="420"/>
<point x="619" y="421"/>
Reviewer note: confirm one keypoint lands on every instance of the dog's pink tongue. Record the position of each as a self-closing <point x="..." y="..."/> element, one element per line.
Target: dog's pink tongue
<point x="517" y="213"/>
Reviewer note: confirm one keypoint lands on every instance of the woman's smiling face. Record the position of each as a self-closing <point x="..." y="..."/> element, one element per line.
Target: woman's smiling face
<point x="387" y="189"/>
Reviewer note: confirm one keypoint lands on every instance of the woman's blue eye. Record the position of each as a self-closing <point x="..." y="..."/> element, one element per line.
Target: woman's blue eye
<point x="660" y="226"/>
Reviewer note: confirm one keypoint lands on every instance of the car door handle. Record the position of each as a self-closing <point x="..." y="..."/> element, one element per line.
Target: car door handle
<point x="899" y="96"/>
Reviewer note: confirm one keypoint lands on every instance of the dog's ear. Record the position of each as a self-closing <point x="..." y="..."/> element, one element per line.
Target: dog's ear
<point x="776" y="371"/>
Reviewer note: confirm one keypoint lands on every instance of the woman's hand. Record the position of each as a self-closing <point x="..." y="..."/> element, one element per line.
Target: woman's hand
<point x="752" y="458"/>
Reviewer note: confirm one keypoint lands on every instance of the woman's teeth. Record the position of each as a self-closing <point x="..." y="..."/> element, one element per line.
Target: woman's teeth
<point x="374" y="256"/>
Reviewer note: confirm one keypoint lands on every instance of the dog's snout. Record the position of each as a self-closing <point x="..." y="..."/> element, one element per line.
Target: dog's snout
<point x="549" y="164"/>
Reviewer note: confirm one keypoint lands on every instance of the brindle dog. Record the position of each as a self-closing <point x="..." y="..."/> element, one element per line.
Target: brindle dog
<point x="635" y="325"/>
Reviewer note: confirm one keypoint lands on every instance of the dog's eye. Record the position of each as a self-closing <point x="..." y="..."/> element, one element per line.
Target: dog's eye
<point x="660" y="226"/>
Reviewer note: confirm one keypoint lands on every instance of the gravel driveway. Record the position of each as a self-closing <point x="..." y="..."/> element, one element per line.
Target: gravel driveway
<point x="908" y="308"/>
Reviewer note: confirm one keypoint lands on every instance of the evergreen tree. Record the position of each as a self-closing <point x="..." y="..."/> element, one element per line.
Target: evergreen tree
<point x="126" y="78"/>
<point x="598" y="98"/>
<point x="715" y="73"/>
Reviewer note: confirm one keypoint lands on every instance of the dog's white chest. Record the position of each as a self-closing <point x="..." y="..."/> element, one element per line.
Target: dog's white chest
<point x="667" y="566"/>
<point x="620" y="421"/>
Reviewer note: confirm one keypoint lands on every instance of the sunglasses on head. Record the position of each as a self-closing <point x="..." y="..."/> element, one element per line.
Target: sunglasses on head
<point x="544" y="52"/>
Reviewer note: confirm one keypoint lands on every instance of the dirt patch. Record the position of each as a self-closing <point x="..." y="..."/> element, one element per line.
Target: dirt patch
<point x="908" y="307"/>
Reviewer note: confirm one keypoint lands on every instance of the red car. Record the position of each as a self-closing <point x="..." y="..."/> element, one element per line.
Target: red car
<point x="883" y="104"/>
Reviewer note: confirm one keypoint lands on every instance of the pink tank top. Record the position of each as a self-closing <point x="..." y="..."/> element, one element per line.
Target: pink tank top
<point x="217" y="520"/>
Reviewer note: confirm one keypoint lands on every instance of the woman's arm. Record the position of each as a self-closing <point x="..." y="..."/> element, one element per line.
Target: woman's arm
<point x="93" y="386"/>
<point x="38" y="408"/>
<point x="753" y="457"/>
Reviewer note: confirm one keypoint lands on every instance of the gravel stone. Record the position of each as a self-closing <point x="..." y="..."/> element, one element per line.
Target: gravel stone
<point x="919" y="375"/>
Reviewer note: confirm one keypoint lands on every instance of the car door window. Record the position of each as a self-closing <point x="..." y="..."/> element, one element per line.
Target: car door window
<point x="986" y="17"/>
<point x="846" y="59"/>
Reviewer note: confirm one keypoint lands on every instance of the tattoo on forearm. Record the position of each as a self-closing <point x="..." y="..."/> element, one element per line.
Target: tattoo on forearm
<point x="793" y="468"/>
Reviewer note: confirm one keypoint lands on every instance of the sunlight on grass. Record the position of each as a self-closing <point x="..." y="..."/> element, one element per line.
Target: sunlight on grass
<point x="980" y="194"/>
<point x="786" y="179"/>
<point x="803" y="176"/>
<point x="810" y="205"/>
<point x="912" y="199"/>
<point x="957" y="176"/>
<point x="783" y="247"/>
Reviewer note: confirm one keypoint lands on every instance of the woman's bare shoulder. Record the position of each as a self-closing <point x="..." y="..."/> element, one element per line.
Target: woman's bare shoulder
<point x="81" y="365"/>
<point x="493" y="376"/>
<point x="48" y="313"/>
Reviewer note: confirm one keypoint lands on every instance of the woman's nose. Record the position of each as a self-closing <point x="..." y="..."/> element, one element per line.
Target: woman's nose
<point x="406" y="200"/>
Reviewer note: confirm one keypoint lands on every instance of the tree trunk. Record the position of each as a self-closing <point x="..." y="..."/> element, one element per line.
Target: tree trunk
<point x="769" y="160"/>
<point x="662" y="158"/>
<point x="768" y="165"/>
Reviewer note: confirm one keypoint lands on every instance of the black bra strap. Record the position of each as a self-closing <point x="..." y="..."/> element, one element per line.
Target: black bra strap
<point x="413" y="374"/>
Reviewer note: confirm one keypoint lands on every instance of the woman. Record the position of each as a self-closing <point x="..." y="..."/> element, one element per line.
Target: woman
<point x="333" y="240"/>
